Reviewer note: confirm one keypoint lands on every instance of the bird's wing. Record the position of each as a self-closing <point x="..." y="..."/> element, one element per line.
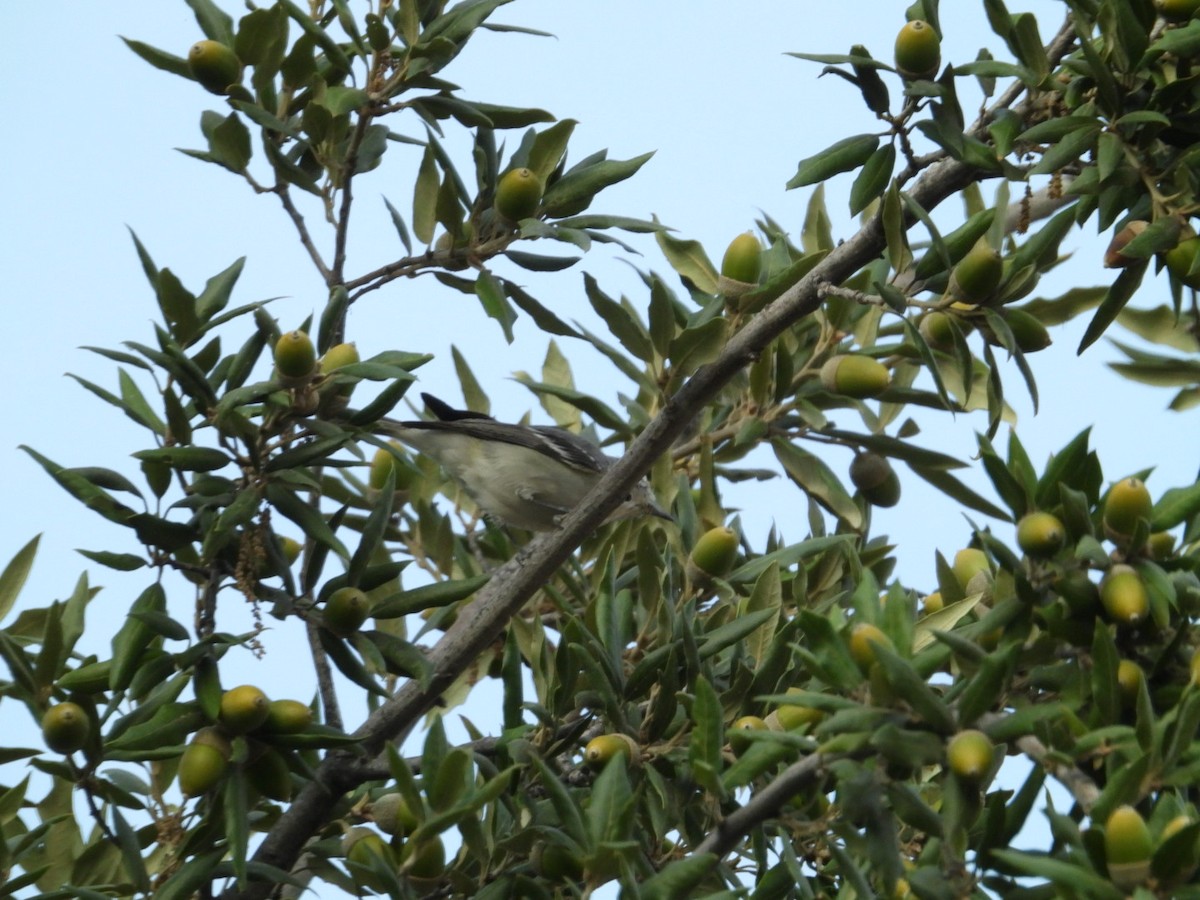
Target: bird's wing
<point x="554" y="443"/>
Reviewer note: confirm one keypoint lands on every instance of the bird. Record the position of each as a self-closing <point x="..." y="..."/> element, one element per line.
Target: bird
<point x="525" y="476"/>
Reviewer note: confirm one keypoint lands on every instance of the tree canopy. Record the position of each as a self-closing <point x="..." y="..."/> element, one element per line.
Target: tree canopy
<point x="686" y="712"/>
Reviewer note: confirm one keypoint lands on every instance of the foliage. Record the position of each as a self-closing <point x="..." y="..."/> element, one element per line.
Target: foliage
<point x="606" y="630"/>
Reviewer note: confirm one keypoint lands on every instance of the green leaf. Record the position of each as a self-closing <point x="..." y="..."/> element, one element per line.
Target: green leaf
<point x="1174" y="506"/>
<point x="690" y="261"/>
<point x="188" y="459"/>
<point x="13" y="578"/>
<point x="697" y="346"/>
<point x="847" y="154"/>
<point x="213" y="21"/>
<point x="430" y="596"/>
<point x="425" y="194"/>
<point x="160" y="59"/>
<point x="818" y="481"/>
<point x="622" y="322"/>
<point x="1114" y="301"/>
<point x="573" y="193"/>
<point x="704" y="746"/>
<point x="873" y="179"/>
<point x="548" y="149"/>
<point x="134" y="636"/>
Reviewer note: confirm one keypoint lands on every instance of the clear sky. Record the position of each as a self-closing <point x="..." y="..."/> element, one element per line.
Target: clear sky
<point x="704" y="83"/>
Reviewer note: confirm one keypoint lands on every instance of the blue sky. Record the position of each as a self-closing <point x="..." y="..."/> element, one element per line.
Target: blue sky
<point x="704" y="83"/>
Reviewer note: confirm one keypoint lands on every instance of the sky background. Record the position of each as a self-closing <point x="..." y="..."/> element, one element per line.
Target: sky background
<point x="705" y="84"/>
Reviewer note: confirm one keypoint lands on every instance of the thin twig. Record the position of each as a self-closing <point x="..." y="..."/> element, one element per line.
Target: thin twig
<point x="314" y="254"/>
<point x="329" y="701"/>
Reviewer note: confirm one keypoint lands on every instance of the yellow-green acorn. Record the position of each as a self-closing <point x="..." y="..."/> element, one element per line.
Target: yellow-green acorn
<point x="268" y="774"/>
<point x="918" y="50"/>
<point x="1128" y="501"/>
<point x="933" y="603"/>
<point x="1177" y="10"/>
<point x="214" y="65"/>
<point x="969" y="755"/>
<point x="875" y="478"/>
<point x="1180" y="259"/>
<point x="1129" y="680"/>
<point x="1041" y="534"/>
<point x="556" y="863"/>
<point x="864" y="637"/>
<point x="968" y="563"/>
<point x="977" y="275"/>
<point x="338" y="357"/>
<point x="738" y="730"/>
<point x="426" y="859"/>
<point x="790" y="716"/>
<point x="1114" y="258"/>
<point x="393" y="815"/>
<point x="602" y="749"/>
<point x="295" y="358"/>
<point x="1128" y="846"/>
<point x="518" y="194"/>
<point x="65" y="727"/>
<point x="203" y="764"/>
<point x="244" y="708"/>
<point x="362" y="846"/>
<point x="1124" y="595"/>
<point x="855" y="376"/>
<point x="1160" y="545"/>
<point x="743" y="259"/>
<point x="715" y="551"/>
<point x="937" y="328"/>
<point x="287" y="717"/>
<point x="1028" y="331"/>
<point x="346" y="610"/>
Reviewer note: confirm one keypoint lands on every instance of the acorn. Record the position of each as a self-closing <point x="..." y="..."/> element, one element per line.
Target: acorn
<point x="740" y="727"/>
<point x="1129" y="681"/>
<point x="1160" y="545"/>
<point x="204" y="762"/>
<point x="790" y="716"/>
<point x="1177" y="10"/>
<point x="65" y="727"/>
<point x="933" y="603"/>
<point x="287" y="717"/>
<point x="423" y="860"/>
<point x="1180" y="259"/>
<point x="1127" y="502"/>
<point x="968" y="563"/>
<point x="604" y="748"/>
<point x="518" y="194"/>
<point x="714" y="552"/>
<point x="1124" y="595"/>
<point x="969" y="755"/>
<point x="295" y="359"/>
<point x="937" y="328"/>
<point x="1040" y="534"/>
<point x="875" y="479"/>
<point x="392" y="814"/>
<point x="742" y="261"/>
<point x="244" y="708"/>
<point x="855" y="376"/>
<point x="918" y="51"/>
<point x="1113" y="257"/>
<point x="269" y="775"/>
<point x="1027" y="330"/>
<point x="977" y="275"/>
<point x="1128" y="847"/>
<point x="863" y="639"/>
<point x="214" y="65"/>
<point x="346" y="610"/>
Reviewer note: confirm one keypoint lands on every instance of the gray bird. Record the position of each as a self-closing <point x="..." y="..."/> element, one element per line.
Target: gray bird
<point x="527" y="476"/>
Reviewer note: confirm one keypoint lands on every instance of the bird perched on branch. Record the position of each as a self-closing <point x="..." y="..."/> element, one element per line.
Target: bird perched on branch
<point x="527" y="476"/>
